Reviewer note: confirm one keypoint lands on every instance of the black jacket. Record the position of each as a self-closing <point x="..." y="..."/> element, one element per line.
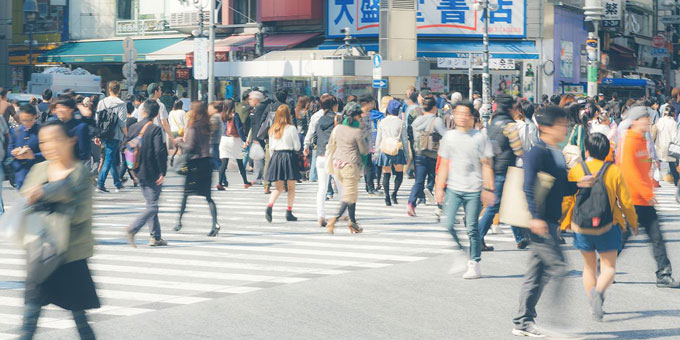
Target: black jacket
<point x="323" y="132"/>
<point x="503" y="156"/>
<point x="268" y="118"/>
<point x="153" y="160"/>
<point x="258" y="114"/>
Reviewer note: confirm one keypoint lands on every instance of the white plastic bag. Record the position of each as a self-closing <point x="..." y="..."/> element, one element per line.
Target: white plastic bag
<point x="11" y="226"/>
<point x="256" y="151"/>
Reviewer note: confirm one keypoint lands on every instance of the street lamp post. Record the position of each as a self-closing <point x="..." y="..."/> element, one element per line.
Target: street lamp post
<point x="486" y="6"/>
<point x="593" y="12"/>
<point x="30" y="13"/>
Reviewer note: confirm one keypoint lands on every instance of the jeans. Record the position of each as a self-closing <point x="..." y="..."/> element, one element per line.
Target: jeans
<point x="650" y="221"/>
<point x="313" y="177"/>
<point x="111" y="160"/>
<point x="369" y="173"/>
<point x="491" y="211"/>
<point x="30" y="323"/>
<point x="472" y="205"/>
<point x="215" y="151"/>
<point x="546" y="262"/>
<point x="151" y="192"/>
<point x="425" y="166"/>
<point x="324" y="181"/>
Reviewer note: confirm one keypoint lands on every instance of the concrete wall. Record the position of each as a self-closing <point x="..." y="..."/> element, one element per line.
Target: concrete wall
<point x="568" y="28"/>
<point x="92" y="19"/>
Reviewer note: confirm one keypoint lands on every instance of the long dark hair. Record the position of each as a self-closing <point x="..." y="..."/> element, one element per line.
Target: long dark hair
<point x="199" y="116"/>
<point x="227" y="110"/>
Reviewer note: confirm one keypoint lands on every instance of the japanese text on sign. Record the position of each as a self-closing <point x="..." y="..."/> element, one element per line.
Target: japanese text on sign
<point x="612" y="13"/>
<point x="464" y="63"/>
<point x="433" y="17"/>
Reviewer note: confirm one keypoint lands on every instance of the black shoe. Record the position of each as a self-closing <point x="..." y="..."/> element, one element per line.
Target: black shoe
<point x="522" y="244"/>
<point x="268" y="214"/>
<point x="290" y="217"/>
<point x="394" y="198"/>
<point x="102" y="190"/>
<point x="387" y="201"/>
<point x="667" y="282"/>
<point x="178" y="227"/>
<point x="487" y="248"/>
<point x="215" y="229"/>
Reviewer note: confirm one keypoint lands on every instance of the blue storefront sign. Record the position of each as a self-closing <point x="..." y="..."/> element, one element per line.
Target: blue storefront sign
<point x="433" y="18"/>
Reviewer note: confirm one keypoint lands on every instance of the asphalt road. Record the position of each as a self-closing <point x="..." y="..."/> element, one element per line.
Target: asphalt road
<point x="293" y="281"/>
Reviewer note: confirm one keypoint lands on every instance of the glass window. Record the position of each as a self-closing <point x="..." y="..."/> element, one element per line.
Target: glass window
<point x="244" y="11"/>
<point x="124" y="8"/>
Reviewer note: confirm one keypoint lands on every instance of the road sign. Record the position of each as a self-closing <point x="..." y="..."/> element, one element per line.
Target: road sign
<point x="659" y="41"/>
<point x="379" y="83"/>
<point x="200" y="58"/>
<point x="377" y="66"/>
<point x="671" y="19"/>
<point x="128" y="44"/>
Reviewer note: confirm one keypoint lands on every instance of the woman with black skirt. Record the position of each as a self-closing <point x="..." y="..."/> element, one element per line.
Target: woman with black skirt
<point x="196" y="144"/>
<point x="284" y="144"/>
<point x="62" y="186"/>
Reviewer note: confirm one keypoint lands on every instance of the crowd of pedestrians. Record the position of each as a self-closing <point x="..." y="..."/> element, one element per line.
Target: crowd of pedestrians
<point x="589" y="167"/>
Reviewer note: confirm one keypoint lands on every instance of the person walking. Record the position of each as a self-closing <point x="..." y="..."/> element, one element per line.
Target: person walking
<point x="604" y="239"/>
<point x="546" y="260"/>
<point x="7" y="110"/>
<point x="663" y="133"/>
<point x="345" y="153"/>
<point x="232" y="140"/>
<point x="62" y="185"/>
<point x="177" y="119"/>
<point x="283" y="164"/>
<point x="196" y="144"/>
<point x="259" y="105"/>
<point x="150" y="172"/>
<point x="427" y="131"/>
<point x="635" y="161"/>
<point x="392" y="144"/>
<point x="216" y="126"/>
<point x="4" y="143"/>
<point x="465" y="177"/>
<point x="367" y="104"/>
<point x="265" y="125"/>
<point x="318" y="135"/>
<point x="154" y="92"/>
<point x="78" y="129"/>
<point x="507" y="147"/>
<point x="309" y="147"/>
<point x="118" y="111"/>
<point x="24" y="145"/>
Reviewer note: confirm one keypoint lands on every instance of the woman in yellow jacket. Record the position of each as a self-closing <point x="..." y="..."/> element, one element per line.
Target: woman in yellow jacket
<point x="606" y="240"/>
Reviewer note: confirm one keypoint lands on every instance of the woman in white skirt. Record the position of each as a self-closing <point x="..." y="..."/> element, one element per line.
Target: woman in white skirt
<point x="231" y="142"/>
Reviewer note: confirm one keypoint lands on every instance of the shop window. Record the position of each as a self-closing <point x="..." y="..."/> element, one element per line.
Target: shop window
<point x="124" y="9"/>
<point x="245" y="11"/>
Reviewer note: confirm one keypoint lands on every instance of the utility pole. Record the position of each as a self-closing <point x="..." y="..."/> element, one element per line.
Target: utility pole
<point x="211" y="53"/>
<point x="593" y="15"/>
<point x="486" y="7"/>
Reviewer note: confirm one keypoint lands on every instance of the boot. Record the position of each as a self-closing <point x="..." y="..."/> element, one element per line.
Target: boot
<point x="386" y="186"/>
<point x="290" y="217"/>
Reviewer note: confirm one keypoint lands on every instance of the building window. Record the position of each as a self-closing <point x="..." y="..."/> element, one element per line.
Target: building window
<point x="124" y="9"/>
<point x="244" y="11"/>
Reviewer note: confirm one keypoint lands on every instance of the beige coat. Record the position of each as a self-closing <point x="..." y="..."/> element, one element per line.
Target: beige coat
<point x="346" y="144"/>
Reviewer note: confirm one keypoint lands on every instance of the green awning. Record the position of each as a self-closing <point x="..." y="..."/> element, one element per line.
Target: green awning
<point x="109" y="51"/>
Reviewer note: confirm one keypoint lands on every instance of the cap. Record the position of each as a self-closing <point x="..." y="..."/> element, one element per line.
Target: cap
<point x="600" y="94"/>
<point x="393" y="107"/>
<point x="152" y="88"/>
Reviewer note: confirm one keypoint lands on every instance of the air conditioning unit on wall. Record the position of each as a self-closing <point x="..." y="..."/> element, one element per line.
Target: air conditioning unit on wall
<point x="188" y="19"/>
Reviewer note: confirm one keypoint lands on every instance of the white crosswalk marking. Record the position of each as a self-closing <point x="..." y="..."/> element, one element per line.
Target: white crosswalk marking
<point x="248" y="255"/>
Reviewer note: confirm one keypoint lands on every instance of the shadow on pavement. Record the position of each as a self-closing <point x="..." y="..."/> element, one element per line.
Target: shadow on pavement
<point x="636" y="334"/>
<point x="646" y="314"/>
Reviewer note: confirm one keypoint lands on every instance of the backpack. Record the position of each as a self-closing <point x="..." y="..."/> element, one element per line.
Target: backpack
<point x="428" y="139"/>
<point x="106" y="122"/>
<point x="133" y="149"/>
<point x="591" y="205"/>
<point x="263" y="132"/>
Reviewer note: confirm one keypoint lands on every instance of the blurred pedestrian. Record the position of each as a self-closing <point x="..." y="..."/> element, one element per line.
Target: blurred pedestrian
<point x="61" y="185"/>
<point x="65" y="108"/>
<point x="24" y="145"/>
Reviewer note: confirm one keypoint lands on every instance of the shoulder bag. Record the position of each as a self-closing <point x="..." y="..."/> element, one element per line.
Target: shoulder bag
<point x="391" y="145"/>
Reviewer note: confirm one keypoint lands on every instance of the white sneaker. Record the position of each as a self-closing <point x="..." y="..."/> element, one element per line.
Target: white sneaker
<point x="458" y="262"/>
<point x="473" y="271"/>
<point x="496" y="229"/>
<point x="429" y="197"/>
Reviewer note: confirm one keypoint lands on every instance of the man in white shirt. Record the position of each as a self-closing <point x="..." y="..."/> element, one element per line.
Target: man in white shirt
<point x="154" y="91"/>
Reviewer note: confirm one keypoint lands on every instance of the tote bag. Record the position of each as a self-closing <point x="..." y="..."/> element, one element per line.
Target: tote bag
<point x="514" y="209"/>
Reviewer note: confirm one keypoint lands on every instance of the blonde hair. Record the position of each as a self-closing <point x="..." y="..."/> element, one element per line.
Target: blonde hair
<point x="384" y="102"/>
<point x="281" y="120"/>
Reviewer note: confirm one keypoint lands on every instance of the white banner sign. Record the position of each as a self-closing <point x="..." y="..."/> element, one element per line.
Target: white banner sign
<point x="433" y="17"/>
<point x="200" y="58"/>
<point x="613" y="13"/>
<point x="464" y="63"/>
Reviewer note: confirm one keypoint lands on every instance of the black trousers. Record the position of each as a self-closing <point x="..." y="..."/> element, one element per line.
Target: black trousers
<point x="648" y="219"/>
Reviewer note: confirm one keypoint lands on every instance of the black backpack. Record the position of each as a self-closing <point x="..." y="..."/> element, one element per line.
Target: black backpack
<point x="591" y="206"/>
<point x="106" y="122"/>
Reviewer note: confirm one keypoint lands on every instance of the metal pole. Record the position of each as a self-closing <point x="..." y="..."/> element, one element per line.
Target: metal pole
<point x="470" y="82"/>
<point x="486" y="95"/>
<point x="211" y="54"/>
<point x="30" y="51"/>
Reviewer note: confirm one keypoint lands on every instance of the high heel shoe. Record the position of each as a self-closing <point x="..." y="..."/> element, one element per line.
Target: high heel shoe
<point x="220" y="187"/>
<point x="215" y="230"/>
<point x="331" y="225"/>
<point x="268" y="214"/>
<point x="388" y="203"/>
<point x="247" y="185"/>
<point x="354" y="228"/>
<point x="290" y="217"/>
<point x="322" y="222"/>
<point x="178" y="227"/>
<point x="394" y="198"/>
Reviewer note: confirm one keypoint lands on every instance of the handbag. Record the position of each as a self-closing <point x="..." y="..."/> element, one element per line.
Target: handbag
<point x="674" y="146"/>
<point x="514" y="209"/>
<point x="46" y="239"/>
<point x="391" y="145"/>
<point x="256" y="151"/>
<point x="571" y="152"/>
